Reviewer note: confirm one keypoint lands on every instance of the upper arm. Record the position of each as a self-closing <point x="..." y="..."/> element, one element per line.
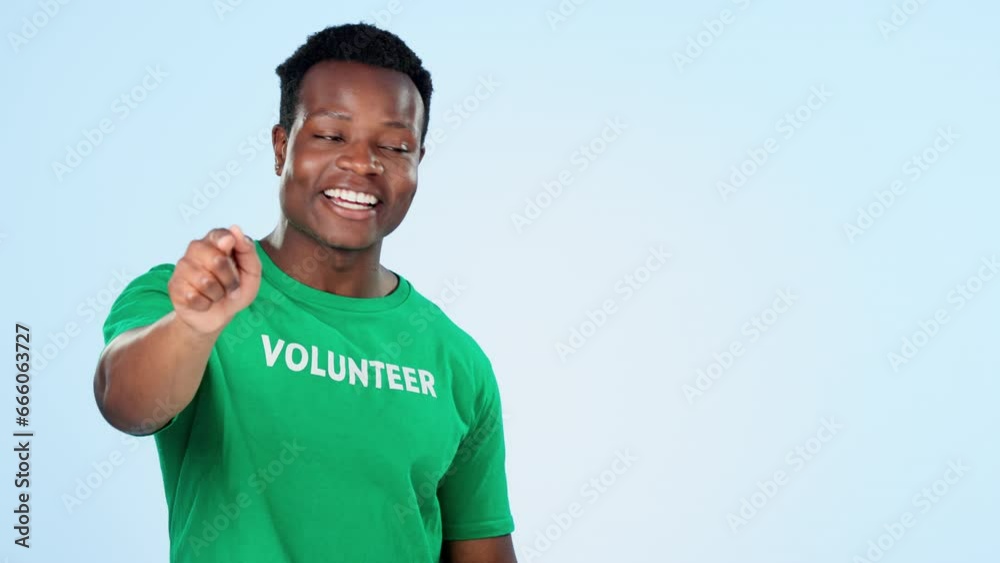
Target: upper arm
<point x="485" y="550"/>
<point x="143" y="302"/>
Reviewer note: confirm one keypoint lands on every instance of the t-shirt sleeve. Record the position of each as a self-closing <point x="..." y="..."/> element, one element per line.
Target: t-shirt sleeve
<point x="473" y="493"/>
<point x="144" y="301"/>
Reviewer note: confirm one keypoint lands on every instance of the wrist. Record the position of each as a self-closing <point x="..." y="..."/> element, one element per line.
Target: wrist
<point x="193" y="335"/>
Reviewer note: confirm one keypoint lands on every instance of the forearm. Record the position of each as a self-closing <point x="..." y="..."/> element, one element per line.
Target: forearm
<point x="146" y="376"/>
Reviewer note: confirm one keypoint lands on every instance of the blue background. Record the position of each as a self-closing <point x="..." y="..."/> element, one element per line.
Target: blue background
<point x="699" y="91"/>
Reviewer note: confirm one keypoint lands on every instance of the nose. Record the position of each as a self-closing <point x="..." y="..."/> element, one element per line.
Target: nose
<point x="358" y="157"/>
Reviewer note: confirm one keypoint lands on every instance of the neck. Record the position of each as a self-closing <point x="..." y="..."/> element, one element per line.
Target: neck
<point x="346" y="272"/>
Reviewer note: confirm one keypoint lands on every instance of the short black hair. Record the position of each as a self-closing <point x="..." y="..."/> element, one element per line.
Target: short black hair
<point x="362" y="43"/>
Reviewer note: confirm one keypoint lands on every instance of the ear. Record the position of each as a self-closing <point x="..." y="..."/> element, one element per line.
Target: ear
<point x="279" y="140"/>
<point x="423" y="150"/>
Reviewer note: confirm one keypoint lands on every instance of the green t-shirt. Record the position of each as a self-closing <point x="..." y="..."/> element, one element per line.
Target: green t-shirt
<point x="329" y="428"/>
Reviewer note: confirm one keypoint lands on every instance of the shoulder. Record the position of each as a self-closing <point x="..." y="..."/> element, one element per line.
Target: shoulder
<point x="156" y="276"/>
<point x="149" y="283"/>
<point x="471" y="375"/>
<point x="431" y="318"/>
<point x="142" y="301"/>
<point x="431" y="321"/>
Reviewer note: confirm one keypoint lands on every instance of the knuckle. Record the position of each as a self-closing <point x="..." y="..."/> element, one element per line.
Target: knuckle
<point x="216" y="235"/>
<point x="220" y="262"/>
<point x="194" y="250"/>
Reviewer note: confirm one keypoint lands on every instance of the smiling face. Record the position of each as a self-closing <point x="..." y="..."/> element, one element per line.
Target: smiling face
<point x="349" y="164"/>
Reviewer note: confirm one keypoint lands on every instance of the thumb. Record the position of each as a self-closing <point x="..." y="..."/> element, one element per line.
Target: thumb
<point x="245" y="253"/>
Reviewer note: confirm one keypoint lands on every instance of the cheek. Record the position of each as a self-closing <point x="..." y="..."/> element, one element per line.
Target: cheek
<point x="306" y="166"/>
<point x="404" y="179"/>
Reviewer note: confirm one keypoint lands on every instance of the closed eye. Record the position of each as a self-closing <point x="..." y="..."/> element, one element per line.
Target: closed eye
<point x="330" y="137"/>
<point x="397" y="149"/>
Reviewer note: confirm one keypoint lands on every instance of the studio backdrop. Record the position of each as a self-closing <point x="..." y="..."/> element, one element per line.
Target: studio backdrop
<point x="736" y="263"/>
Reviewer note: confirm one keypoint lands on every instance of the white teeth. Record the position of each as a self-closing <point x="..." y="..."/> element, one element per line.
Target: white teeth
<point x="352" y="196"/>
<point x="347" y="205"/>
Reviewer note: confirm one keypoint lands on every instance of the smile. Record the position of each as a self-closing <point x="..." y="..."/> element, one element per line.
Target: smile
<point x="349" y="199"/>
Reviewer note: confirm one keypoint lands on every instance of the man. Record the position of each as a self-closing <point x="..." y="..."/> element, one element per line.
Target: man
<point x="308" y="404"/>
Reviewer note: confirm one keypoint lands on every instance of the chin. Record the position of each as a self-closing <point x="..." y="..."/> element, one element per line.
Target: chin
<point x="332" y="234"/>
<point x="342" y="241"/>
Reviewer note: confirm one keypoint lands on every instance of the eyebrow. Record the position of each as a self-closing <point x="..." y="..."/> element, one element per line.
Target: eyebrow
<point x="346" y="117"/>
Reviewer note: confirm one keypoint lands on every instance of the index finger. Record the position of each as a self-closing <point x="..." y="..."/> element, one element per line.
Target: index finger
<point x="222" y="239"/>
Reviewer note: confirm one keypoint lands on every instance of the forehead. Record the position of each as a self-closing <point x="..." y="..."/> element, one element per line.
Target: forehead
<point x="360" y="88"/>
